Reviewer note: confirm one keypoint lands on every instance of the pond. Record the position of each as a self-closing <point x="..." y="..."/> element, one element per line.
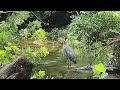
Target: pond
<point x="55" y="64"/>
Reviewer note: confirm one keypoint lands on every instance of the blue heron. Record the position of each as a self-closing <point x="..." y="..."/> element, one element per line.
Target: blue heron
<point x="69" y="54"/>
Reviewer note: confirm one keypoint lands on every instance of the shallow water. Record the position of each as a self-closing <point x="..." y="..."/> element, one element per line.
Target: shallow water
<point x="55" y="64"/>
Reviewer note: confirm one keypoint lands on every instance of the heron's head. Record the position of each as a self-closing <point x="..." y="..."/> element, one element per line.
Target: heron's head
<point x="64" y="42"/>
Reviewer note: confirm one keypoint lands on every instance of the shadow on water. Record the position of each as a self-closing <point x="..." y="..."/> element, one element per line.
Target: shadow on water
<point x="55" y="64"/>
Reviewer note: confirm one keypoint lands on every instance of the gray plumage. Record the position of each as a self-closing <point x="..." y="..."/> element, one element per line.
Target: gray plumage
<point x="69" y="53"/>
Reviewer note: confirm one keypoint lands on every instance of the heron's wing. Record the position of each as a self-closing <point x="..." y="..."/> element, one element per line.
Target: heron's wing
<point x="68" y="51"/>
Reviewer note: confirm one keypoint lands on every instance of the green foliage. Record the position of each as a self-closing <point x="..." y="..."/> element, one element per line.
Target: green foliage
<point x="43" y="51"/>
<point x="19" y="17"/>
<point x="9" y="54"/>
<point x="9" y="29"/>
<point x="95" y="26"/>
<point x="43" y="14"/>
<point x="24" y="33"/>
<point x="6" y="37"/>
<point x="99" y="71"/>
<point x="10" y="36"/>
<point x="34" y="25"/>
<point x="2" y="52"/>
<point x="34" y="55"/>
<point x="33" y="30"/>
<point x="92" y="29"/>
<point x="105" y="54"/>
<point x="2" y="58"/>
<point x="56" y="33"/>
<point x="38" y="75"/>
<point x="61" y="39"/>
<point x="39" y="34"/>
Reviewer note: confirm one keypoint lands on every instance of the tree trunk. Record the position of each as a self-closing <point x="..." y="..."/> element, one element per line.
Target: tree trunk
<point x="20" y="68"/>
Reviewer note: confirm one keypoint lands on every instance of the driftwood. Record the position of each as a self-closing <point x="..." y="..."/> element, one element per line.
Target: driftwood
<point x="20" y="68"/>
<point x="87" y="69"/>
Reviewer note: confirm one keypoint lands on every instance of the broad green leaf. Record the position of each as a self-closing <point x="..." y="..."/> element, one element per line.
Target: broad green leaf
<point x="96" y="72"/>
<point x="2" y="52"/>
<point x="100" y="67"/>
<point x="38" y="75"/>
<point x="42" y="33"/>
<point x="41" y="73"/>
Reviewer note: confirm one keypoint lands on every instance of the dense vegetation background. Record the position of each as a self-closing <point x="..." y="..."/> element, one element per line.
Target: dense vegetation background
<point x="93" y="31"/>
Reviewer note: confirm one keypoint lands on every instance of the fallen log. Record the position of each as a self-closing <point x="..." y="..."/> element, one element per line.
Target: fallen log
<point x="20" y="68"/>
<point x="88" y="69"/>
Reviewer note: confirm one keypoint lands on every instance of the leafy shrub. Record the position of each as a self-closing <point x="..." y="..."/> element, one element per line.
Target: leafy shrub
<point x="38" y="75"/>
<point x="99" y="71"/>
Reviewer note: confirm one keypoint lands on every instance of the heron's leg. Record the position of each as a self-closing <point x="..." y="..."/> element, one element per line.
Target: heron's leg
<point x="70" y="64"/>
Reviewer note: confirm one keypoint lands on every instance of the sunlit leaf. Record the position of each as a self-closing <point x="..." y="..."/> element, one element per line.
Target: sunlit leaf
<point x="2" y="51"/>
<point x="100" y="67"/>
<point x="38" y="75"/>
<point x="41" y="73"/>
<point x="42" y="33"/>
